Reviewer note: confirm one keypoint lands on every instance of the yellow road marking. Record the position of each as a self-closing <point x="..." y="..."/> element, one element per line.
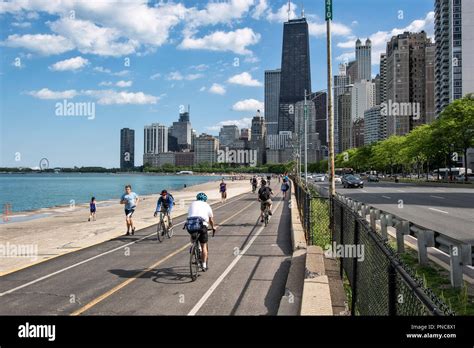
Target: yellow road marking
<point x="148" y="269"/>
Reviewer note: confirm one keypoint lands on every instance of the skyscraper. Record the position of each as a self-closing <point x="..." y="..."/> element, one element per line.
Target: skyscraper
<point x="272" y="99"/>
<point x="182" y="131"/>
<point x="295" y="71"/>
<point x="155" y="139"/>
<point x="320" y="103"/>
<point x="382" y="92"/>
<point x="341" y="86"/>
<point x="127" y="149"/>
<point x="363" y="59"/>
<point x="454" y="37"/>
<point x="375" y="125"/>
<point x="228" y="134"/>
<point x="258" y="138"/>
<point x="406" y="82"/>
<point x="352" y="71"/>
<point x="345" y="125"/>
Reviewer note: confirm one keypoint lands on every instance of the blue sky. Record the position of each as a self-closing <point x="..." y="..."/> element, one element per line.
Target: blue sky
<point x="140" y="61"/>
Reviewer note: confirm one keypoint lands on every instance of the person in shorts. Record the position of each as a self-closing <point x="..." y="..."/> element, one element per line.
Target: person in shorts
<point x="265" y="198"/>
<point x="130" y="199"/>
<point x="223" y="191"/>
<point x="92" y="209"/>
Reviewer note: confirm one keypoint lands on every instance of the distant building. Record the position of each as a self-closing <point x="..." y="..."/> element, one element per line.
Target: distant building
<point x="345" y="121"/>
<point x="245" y="133"/>
<point x="280" y="156"/>
<point x="352" y="71"/>
<point x="159" y="159"/>
<point x="363" y="98"/>
<point x="364" y="60"/>
<point x="279" y="141"/>
<point x="258" y="138"/>
<point x="205" y="149"/>
<point x="382" y="91"/>
<point x="228" y="134"/>
<point x="321" y="108"/>
<point x="341" y="85"/>
<point x="127" y="149"/>
<point x="155" y="139"/>
<point x="358" y="133"/>
<point x="375" y="125"/>
<point x="272" y="99"/>
<point x="184" y="159"/>
<point x="295" y="71"/>
<point x="181" y="130"/>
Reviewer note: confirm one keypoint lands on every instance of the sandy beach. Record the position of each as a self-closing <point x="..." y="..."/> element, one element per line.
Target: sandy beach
<point x="61" y="230"/>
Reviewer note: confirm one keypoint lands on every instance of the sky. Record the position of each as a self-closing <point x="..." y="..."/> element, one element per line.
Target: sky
<point x="133" y="63"/>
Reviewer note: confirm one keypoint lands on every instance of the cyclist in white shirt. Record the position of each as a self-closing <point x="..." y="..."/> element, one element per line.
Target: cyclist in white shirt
<point x="199" y="208"/>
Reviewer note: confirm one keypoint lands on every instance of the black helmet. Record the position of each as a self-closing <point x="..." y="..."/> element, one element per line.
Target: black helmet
<point x="263" y="182"/>
<point x="164" y="192"/>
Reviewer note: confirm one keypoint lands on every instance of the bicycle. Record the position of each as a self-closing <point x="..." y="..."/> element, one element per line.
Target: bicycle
<point x="164" y="227"/>
<point x="266" y="215"/>
<point x="195" y="259"/>
<point x="254" y="187"/>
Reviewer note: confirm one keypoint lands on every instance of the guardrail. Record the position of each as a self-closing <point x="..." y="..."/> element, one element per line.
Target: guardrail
<point x="381" y="284"/>
<point x="460" y="253"/>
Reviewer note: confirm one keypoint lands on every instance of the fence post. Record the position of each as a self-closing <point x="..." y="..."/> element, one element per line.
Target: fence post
<point x="383" y="226"/>
<point x="403" y="227"/>
<point x="392" y="290"/>
<point x="466" y="250"/>
<point x="456" y="266"/>
<point x="374" y="216"/>
<point x="354" y="268"/>
<point x="425" y="239"/>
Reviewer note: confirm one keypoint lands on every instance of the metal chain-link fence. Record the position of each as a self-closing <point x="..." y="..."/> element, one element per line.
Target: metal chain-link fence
<point x="381" y="284"/>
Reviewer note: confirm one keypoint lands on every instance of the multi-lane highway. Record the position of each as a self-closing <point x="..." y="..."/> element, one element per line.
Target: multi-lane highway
<point x="449" y="210"/>
<point x="248" y="268"/>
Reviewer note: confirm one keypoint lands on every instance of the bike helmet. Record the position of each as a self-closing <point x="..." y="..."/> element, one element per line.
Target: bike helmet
<point x="201" y="196"/>
<point x="263" y="182"/>
<point x="164" y="192"/>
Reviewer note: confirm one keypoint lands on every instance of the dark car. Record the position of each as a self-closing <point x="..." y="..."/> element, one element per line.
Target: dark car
<point x="352" y="181"/>
<point x="373" y="178"/>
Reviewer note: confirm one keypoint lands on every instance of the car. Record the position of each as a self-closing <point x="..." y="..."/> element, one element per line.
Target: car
<point x="349" y="181"/>
<point x="337" y="179"/>
<point x="320" y="177"/>
<point x="373" y="178"/>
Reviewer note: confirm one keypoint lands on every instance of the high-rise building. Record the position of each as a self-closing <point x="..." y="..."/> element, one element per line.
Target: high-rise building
<point x="245" y="134"/>
<point x="341" y="85"/>
<point x="406" y="82"/>
<point x="363" y="98"/>
<point x="228" y="134"/>
<point x="358" y="132"/>
<point x="272" y="99"/>
<point x="181" y="130"/>
<point x="295" y="71"/>
<point x="205" y="149"/>
<point x="345" y="125"/>
<point x="258" y="138"/>
<point x="430" y="83"/>
<point x="382" y="91"/>
<point x="127" y="149"/>
<point x="279" y="141"/>
<point x="375" y="125"/>
<point x="352" y="71"/>
<point x="155" y="139"/>
<point x="454" y="37"/>
<point x="364" y="60"/>
<point x="320" y="103"/>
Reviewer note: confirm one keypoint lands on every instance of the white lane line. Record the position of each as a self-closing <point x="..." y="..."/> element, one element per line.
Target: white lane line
<point x="229" y="268"/>
<point x="365" y="191"/>
<point x="437" y="197"/>
<point x="438" y="210"/>
<point x="400" y="191"/>
<point x="86" y="260"/>
<point x="387" y="197"/>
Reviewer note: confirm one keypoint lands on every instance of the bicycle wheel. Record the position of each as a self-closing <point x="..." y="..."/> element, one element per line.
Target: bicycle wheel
<point x="266" y="218"/>
<point x="169" y="230"/>
<point x="194" y="261"/>
<point x="160" y="231"/>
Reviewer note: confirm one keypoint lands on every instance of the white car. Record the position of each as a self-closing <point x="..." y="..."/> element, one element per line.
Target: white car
<point x="337" y="179"/>
<point x="320" y="178"/>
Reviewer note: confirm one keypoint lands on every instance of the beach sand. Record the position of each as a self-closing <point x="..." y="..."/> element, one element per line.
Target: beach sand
<point x="66" y="229"/>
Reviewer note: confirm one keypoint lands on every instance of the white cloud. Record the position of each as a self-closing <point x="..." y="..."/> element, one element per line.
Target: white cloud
<point x="43" y="44"/>
<point x="106" y="83"/>
<point x="76" y="63"/>
<point x="281" y="15"/>
<point x="250" y="105"/>
<point x="177" y="76"/>
<point x="346" y="57"/>
<point x="121" y="73"/>
<point x="102" y="70"/>
<point x="124" y="84"/>
<point x="337" y="29"/>
<point x="217" y="89"/>
<point x="218" y="13"/>
<point x="46" y="93"/>
<point x="202" y="89"/>
<point x="251" y="60"/>
<point x="155" y="76"/>
<point x="245" y="122"/>
<point x="200" y="67"/>
<point x="111" y="97"/>
<point x="233" y="41"/>
<point x="260" y="9"/>
<point x="21" y="24"/>
<point x="244" y="79"/>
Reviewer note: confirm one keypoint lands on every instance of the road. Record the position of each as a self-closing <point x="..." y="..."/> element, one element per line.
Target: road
<point x="444" y="209"/>
<point x="137" y="275"/>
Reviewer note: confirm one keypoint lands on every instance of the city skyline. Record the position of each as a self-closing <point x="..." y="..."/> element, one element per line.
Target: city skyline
<point x="190" y="71"/>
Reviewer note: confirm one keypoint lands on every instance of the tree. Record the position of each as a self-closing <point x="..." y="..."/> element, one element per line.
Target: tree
<point x="457" y="123"/>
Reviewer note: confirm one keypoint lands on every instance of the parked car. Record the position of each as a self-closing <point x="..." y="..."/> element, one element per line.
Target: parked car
<point x="373" y="178"/>
<point x="320" y="177"/>
<point x="352" y="181"/>
<point x="337" y="179"/>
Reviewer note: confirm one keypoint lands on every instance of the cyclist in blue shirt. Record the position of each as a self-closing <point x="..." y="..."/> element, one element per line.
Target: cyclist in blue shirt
<point x="130" y="199"/>
<point x="165" y="205"/>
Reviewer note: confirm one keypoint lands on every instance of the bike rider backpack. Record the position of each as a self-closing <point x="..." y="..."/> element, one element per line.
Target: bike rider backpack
<point x="194" y="224"/>
<point x="265" y="194"/>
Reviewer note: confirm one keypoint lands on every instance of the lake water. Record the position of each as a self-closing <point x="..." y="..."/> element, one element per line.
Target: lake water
<point x="35" y="191"/>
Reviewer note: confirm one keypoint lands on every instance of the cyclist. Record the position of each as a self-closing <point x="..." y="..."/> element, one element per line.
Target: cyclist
<point x="254" y="183"/>
<point x="203" y="211"/>
<point x="264" y="197"/>
<point x="285" y="186"/>
<point x="165" y="205"/>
